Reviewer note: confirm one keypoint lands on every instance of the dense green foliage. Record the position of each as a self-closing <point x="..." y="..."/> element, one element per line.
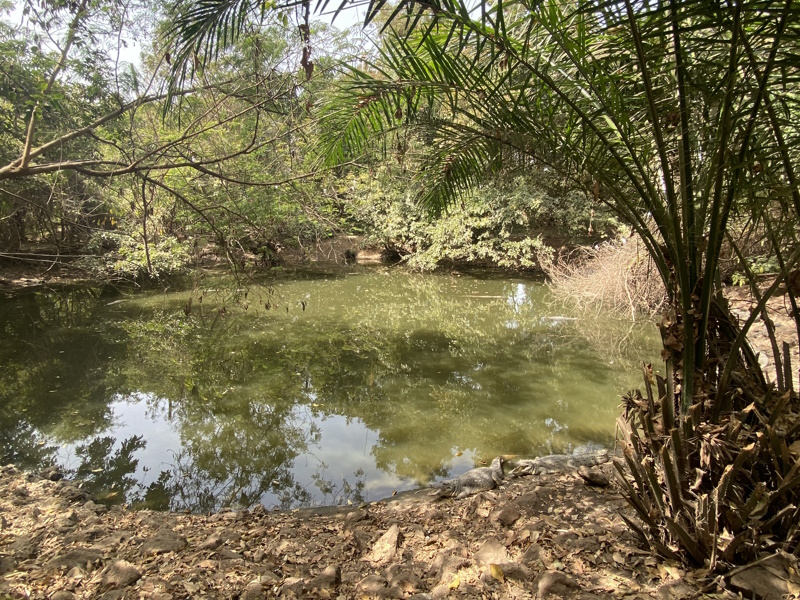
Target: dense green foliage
<point x="101" y="163"/>
<point x="512" y="221"/>
<point x="92" y="164"/>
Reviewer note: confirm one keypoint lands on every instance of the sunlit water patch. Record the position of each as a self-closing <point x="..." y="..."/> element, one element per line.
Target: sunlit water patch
<point x="315" y="388"/>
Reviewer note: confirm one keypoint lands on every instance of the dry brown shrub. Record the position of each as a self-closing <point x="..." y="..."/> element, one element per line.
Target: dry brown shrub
<point x="617" y="276"/>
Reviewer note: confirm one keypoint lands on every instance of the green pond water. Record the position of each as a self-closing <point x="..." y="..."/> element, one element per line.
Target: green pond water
<point x="304" y="389"/>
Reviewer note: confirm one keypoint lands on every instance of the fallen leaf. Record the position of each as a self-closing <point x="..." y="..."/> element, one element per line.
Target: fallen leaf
<point x="455" y="583"/>
<point x="497" y="573"/>
<point x="672" y="571"/>
<point x="191" y="587"/>
<point x="795" y="448"/>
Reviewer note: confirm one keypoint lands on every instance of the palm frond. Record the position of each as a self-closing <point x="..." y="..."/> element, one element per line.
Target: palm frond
<point x="200" y="30"/>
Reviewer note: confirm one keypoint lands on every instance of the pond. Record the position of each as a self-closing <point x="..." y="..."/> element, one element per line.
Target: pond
<point x="305" y="388"/>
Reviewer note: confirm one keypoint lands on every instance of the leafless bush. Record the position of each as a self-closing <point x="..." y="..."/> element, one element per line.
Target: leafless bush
<point x="618" y="276"/>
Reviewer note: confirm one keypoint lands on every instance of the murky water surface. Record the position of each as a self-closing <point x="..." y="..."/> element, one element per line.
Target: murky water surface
<point x="310" y="388"/>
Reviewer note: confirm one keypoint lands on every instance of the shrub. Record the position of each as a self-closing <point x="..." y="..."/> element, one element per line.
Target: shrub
<point x="617" y="276"/>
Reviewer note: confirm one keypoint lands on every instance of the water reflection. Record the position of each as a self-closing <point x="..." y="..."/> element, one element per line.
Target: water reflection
<point x="305" y="390"/>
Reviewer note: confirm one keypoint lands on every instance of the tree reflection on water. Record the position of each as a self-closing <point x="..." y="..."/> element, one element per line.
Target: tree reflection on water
<point x="157" y="408"/>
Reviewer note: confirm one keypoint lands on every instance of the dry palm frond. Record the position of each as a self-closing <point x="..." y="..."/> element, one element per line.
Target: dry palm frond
<point x="746" y="487"/>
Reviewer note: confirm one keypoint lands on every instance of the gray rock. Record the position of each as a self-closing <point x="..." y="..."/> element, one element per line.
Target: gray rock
<point x="492" y="552"/>
<point x="447" y="566"/>
<point x="508" y="515"/>
<point x="468" y="590"/>
<point x="147" y="519"/>
<point x="770" y="579"/>
<point x="473" y="481"/>
<point x="72" y="493"/>
<point x="516" y="571"/>
<point x="593" y="476"/>
<point x="62" y="595"/>
<point x="228" y="554"/>
<point x="212" y="542"/>
<point x="675" y="590"/>
<point x="20" y="491"/>
<point x="563" y="539"/>
<point x="372" y="584"/>
<point x="97" y="508"/>
<point x="385" y="548"/>
<point x="554" y="582"/>
<point x="230" y="535"/>
<point x="7" y="564"/>
<point x="121" y="574"/>
<point x="375" y="585"/>
<point x="329" y="579"/>
<point x="355" y="517"/>
<point x="52" y="473"/>
<point x="534" y="553"/>
<point x="351" y="577"/>
<point x="94" y="526"/>
<point x="76" y="557"/>
<point x="253" y="591"/>
<point x="293" y="585"/>
<point x="268" y="578"/>
<point x="111" y="542"/>
<point x="26" y="546"/>
<point x="164" y="541"/>
<point x="407" y="582"/>
<point x="68" y="519"/>
<point x="288" y="531"/>
<point x="259" y="555"/>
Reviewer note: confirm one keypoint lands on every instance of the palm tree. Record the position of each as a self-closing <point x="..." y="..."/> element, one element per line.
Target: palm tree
<point x="682" y="116"/>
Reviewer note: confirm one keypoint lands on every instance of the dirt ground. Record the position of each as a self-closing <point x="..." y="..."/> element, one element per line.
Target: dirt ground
<point x="548" y="536"/>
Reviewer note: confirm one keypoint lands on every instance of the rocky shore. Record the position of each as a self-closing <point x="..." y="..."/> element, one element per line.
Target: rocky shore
<point x="544" y="536"/>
